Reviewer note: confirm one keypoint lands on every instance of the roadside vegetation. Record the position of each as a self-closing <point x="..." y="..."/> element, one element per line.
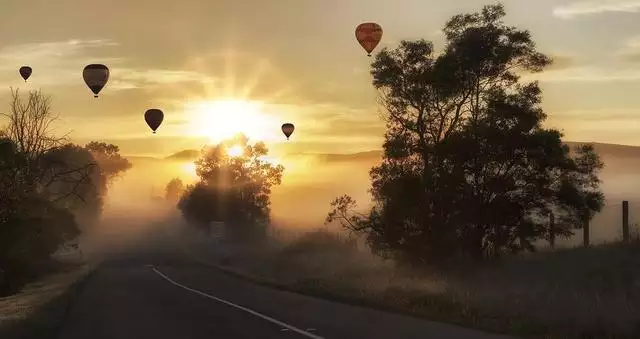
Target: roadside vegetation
<point x="466" y="189"/>
<point x="51" y="190"/>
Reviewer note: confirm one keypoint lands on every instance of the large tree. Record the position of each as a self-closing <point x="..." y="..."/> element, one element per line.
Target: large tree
<point x="47" y="185"/>
<point x="467" y="168"/>
<point x="234" y="189"/>
<point x="174" y="190"/>
<point x="108" y="157"/>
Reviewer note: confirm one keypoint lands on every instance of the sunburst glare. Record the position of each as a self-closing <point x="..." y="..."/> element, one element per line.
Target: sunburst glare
<point x="235" y="151"/>
<point x="222" y="119"/>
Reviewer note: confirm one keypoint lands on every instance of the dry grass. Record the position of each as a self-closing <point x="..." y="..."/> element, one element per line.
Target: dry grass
<point x="571" y="293"/>
<point x="37" y="310"/>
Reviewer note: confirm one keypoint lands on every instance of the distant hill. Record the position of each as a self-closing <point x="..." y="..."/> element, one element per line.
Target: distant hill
<point x="612" y="150"/>
<point x="188" y="154"/>
<point x="137" y="158"/>
<point x="335" y="157"/>
<point x="606" y="151"/>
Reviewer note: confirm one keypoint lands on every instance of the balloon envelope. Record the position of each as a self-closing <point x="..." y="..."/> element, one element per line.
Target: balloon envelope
<point x="287" y="129"/>
<point x="95" y="76"/>
<point x="369" y="35"/>
<point x="25" y="72"/>
<point x="154" y="118"/>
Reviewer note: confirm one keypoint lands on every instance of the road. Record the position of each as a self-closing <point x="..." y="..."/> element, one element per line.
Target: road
<point x="164" y="295"/>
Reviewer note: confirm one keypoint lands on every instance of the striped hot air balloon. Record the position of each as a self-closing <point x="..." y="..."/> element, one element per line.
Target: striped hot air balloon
<point x="154" y="118"/>
<point x="25" y="72"/>
<point x="96" y="76"/>
<point x="369" y="35"/>
<point x="287" y="129"/>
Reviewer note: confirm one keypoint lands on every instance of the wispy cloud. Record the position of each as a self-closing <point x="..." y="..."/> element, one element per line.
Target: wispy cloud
<point x="582" y="8"/>
<point x="135" y="78"/>
<point x="45" y="52"/>
<point x="60" y="63"/>
<point x="630" y="52"/>
<point x="586" y="74"/>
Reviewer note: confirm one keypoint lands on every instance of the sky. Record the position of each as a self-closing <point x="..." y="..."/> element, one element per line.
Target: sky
<point x="219" y="67"/>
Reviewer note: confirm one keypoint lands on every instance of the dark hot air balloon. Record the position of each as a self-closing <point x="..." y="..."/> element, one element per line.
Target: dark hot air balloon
<point x="154" y="118"/>
<point x="369" y="35"/>
<point x="96" y="76"/>
<point x="287" y="129"/>
<point x="25" y="72"/>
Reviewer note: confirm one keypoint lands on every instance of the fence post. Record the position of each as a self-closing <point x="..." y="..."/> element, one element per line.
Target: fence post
<point x="625" y="221"/>
<point x="585" y="231"/>
<point x="552" y="230"/>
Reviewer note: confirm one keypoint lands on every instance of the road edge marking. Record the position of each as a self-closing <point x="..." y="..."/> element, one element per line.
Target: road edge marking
<point x="250" y="311"/>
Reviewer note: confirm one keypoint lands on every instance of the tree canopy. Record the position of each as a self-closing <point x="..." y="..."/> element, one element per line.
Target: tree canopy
<point x="174" y="189"/>
<point x="232" y="189"/>
<point x="468" y="169"/>
<point x="49" y="187"/>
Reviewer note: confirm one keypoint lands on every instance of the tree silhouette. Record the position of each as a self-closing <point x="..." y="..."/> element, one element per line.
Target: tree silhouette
<point x="174" y="189"/>
<point x="233" y="189"/>
<point x="47" y="187"/>
<point x="108" y="157"/>
<point x="467" y="167"/>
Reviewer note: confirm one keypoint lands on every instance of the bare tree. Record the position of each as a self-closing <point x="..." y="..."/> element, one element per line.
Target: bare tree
<point x="30" y="124"/>
<point x="29" y="129"/>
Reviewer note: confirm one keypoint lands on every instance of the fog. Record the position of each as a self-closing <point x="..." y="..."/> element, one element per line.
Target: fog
<point x="134" y="202"/>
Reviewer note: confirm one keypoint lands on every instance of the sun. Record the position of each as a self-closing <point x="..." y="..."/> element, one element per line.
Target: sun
<point x="235" y="151"/>
<point x="218" y="120"/>
<point x="189" y="170"/>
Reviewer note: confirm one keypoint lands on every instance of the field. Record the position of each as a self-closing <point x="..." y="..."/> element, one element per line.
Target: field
<point x="37" y="311"/>
<point x="569" y="293"/>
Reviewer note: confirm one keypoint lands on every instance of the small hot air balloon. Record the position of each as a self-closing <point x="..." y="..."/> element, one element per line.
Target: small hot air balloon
<point x="25" y="72"/>
<point x="287" y="129"/>
<point x="154" y="118"/>
<point x="369" y="35"/>
<point x="96" y="76"/>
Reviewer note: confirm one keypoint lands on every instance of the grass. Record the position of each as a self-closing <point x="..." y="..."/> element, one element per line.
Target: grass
<point x="570" y="293"/>
<point x="38" y="310"/>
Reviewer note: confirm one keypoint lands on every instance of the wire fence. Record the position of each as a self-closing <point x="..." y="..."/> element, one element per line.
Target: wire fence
<point x="607" y="225"/>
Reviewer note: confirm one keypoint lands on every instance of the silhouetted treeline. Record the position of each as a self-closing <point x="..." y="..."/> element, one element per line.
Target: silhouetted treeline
<point x="468" y="170"/>
<point x="49" y="188"/>
<point x="235" y="190"/>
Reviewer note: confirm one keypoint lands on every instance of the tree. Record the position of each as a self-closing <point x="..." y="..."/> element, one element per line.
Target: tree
<point x="84" y="186"/>
<point x="108" y="157"/>
<point x="32" y="227"/>
<point x="174" y="189"/>
<point x="38" y="184"/>
<point x="467" y="168"/>
<point x="232" y="189"/>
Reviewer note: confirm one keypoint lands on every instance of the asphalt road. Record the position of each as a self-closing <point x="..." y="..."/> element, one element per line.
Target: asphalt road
<point x="164" y="295"/>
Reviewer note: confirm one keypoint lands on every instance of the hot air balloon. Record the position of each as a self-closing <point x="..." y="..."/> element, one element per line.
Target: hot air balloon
<point x="96" y="76"/>
<point x="368" y="35"/>
<point x="25" y="72"/>
<point x="154" y="118"/>
<point x="287" y="129"/>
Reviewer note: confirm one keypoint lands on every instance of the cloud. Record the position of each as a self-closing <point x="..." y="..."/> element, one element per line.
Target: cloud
<point x="598" y="116"/>
<point x="616" y="66"/>
<point x="60" y="63"/>
<point x="562" y="62"/>
<point x="583" y="8"/>
<point x="592" y="73"/>
<point x="630" y="52"/>
<point x="45" y="52"/>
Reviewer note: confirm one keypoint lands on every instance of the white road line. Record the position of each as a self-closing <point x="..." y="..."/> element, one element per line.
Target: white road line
<point x="267" y="318"/>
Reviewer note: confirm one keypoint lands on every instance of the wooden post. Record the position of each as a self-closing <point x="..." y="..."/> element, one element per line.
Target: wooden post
<point x="552" y="230"/>
<point x="625" y="221"/>
<point x="585" y="232"/>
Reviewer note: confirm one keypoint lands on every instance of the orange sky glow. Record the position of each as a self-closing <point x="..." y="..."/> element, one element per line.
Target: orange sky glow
<point x="221" y="67"/>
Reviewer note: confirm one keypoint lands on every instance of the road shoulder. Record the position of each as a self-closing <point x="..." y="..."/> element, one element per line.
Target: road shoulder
<point x="39" y="309"/>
